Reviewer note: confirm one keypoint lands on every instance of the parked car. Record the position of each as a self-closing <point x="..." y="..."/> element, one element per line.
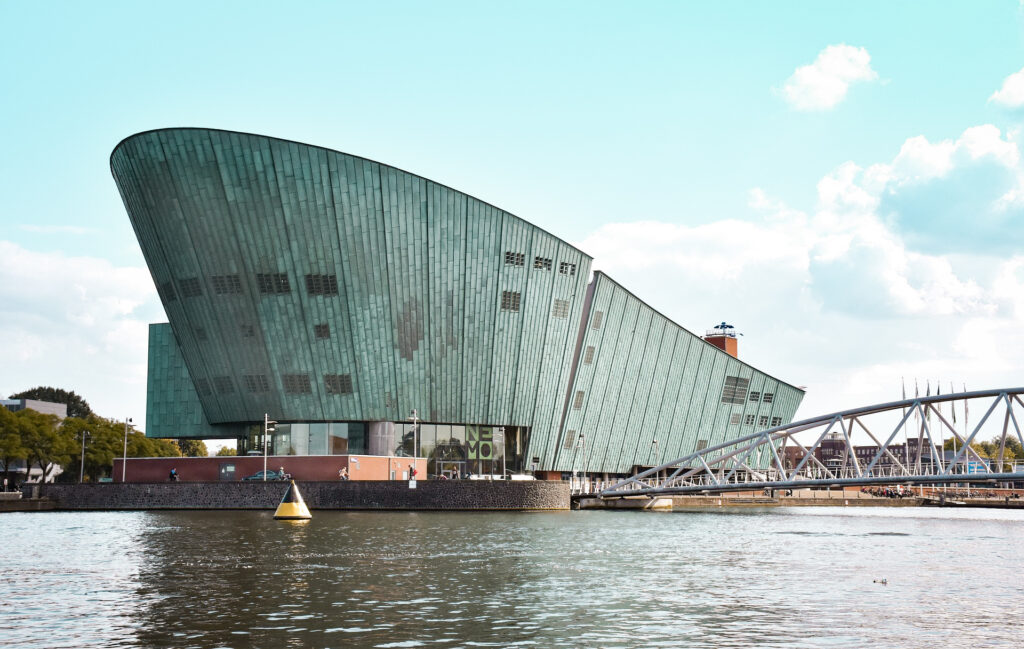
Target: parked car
<point x="271" y="475"/>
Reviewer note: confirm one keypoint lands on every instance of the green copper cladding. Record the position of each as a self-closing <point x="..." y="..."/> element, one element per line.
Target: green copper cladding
<point x="640" y="377"/>
<point x="172" y="405"/>
<point x="318" y="286"/>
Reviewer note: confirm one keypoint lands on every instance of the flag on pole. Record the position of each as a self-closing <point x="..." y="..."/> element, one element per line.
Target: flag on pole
<point x="928" y="393"/>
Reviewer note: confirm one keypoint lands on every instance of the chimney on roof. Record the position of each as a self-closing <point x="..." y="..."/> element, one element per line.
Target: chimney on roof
<point x="724" y="337"/>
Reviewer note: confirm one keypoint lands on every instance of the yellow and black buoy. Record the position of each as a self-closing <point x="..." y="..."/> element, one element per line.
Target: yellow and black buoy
<point x="292" y="507"/>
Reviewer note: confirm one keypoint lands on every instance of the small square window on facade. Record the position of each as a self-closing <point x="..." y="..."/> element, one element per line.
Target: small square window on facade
<point x="762" y="420"/>
<point x="248" y="331"/>
<point x="734" y="420"/>
<point x="701" y="444"/>
<point x="190" y="287"/>
<point x="577" y="403"/>
<point x="768" y="397"/>
<point x="588" y="355"/>
<point x="322" y="331"/>
<point x="226" y="284"/>
<point x="167" y="291"/>
<point x="565" y="268"/>
<point x="776" y="421"/>
<point x="510" y="300"/>
<point x="749" y="420"/>
<point x="201" y="334"/>
<point x="273" y="283"/>
<point x="223" y="385"/>
<point x="542" y="263"/>
<point x="338" y="383"/>
<point x="297" y="384"/>
<point x="755" y="396"/>
<point x="203" y="388"/>
<point x="514" y="258"/>
<point x="256" y="383"/>
<point x="560" y="309"/>
<point x="596" y="323"/>
<point x="570" y="439"/>
<point x="322" y="284"/>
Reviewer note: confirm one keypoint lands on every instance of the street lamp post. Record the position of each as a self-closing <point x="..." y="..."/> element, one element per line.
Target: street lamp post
<point x="81" y="471"/>
<point x="268" y="427"/>
<point x="415" y="434"/>
<point x="124" y="458"/>
<point x="583" y="451"/>
<point x="654" y="443"/>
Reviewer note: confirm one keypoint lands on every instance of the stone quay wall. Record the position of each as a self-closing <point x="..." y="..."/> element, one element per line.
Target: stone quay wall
<point x="354" y="495"/>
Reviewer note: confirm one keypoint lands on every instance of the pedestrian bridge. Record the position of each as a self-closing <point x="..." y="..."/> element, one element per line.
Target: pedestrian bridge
<point x="926" y="446"/>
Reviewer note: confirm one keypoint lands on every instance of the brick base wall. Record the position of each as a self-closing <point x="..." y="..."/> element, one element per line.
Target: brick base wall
<point x="382" y="495"/>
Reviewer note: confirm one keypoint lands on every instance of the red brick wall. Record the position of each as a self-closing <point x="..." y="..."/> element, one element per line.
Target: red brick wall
<point x="302" y="467"/>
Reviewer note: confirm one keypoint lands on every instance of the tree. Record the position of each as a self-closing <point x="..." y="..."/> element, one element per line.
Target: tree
<point x="77" y="406"/>
<point x="226" y="451"/>
<point x="11" y="447"/>
<point x="193" y="448"/>
<point x="990" y="449"/>
<point x="47" y="443"/>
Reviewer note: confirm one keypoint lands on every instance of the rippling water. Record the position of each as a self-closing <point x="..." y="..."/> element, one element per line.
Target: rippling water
<point x="772" y="578"/>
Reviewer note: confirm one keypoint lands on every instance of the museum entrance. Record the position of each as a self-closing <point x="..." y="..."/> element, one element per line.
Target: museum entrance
<point x="448" y="460"/>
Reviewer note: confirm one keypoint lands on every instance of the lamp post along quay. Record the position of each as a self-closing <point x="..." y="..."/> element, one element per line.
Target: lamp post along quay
<point x="268" y="427"/>
<point x="415" y="434"/>
<point x="124" y="458"/>
<point x="81" y="470"/>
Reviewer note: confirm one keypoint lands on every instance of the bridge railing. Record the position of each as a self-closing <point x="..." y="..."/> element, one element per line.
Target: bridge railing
<point x="913" y="452"/>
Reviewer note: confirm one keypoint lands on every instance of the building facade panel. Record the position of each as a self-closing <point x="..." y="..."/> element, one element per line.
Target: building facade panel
<point x="649" y="379"/>
<point x="314" y="285"/>
<point x="337" y="294"/>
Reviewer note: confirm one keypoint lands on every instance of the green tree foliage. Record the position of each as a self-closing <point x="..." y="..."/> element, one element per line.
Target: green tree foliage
<point x="77" y="406"/>
<point x="11" y="447"/>
<point x="106" y="442"/>
<point x="47" y="442"/>
<point x="193" y="448"/>
<point x="1011" y="450"/>
<point x="227" y="451"/>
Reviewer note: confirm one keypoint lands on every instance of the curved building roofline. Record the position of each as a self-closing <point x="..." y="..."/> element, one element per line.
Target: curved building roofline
<point x="169" y="129"/>
<point x="701" y="338"/>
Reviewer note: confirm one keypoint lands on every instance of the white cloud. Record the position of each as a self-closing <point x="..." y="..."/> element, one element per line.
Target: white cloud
<point x="78" y="323"/>
<point x="824" y="83"/>
<point x="838" y="298"/>
<point x="1011" y="94"/>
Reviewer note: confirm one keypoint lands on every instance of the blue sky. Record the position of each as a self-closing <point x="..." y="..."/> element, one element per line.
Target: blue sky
<point x="859" y="220"/>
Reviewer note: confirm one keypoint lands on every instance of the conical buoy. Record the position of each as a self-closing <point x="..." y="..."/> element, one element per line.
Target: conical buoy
<point x="292" y="507"/>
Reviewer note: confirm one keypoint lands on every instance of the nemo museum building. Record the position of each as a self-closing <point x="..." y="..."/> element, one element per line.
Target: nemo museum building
<point x="337" y="295"/>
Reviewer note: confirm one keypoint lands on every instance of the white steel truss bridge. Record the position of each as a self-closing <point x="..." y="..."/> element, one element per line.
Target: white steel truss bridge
<point x="924" y="448"/>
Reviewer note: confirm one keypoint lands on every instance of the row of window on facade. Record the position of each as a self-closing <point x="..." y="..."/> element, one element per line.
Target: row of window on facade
<point x="735" y="392"/>
<point x="266" y="284"/>
<point x="260" y="383"/>
<point x="321" y="331"/>
<point x="539" y="263"/>
<point x="512" y="301"/>
<point x="762" y="420"/>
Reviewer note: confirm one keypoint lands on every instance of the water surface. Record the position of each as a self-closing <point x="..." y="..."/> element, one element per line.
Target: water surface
<point x="802" y="577"/>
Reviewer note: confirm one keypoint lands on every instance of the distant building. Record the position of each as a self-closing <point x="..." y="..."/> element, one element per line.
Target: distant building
<point x="45" y="407"/>
<point x="18" y="472"/>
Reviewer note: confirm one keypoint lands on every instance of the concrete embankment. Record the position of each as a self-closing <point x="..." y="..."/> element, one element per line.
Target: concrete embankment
<point x="353" y="495"/>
